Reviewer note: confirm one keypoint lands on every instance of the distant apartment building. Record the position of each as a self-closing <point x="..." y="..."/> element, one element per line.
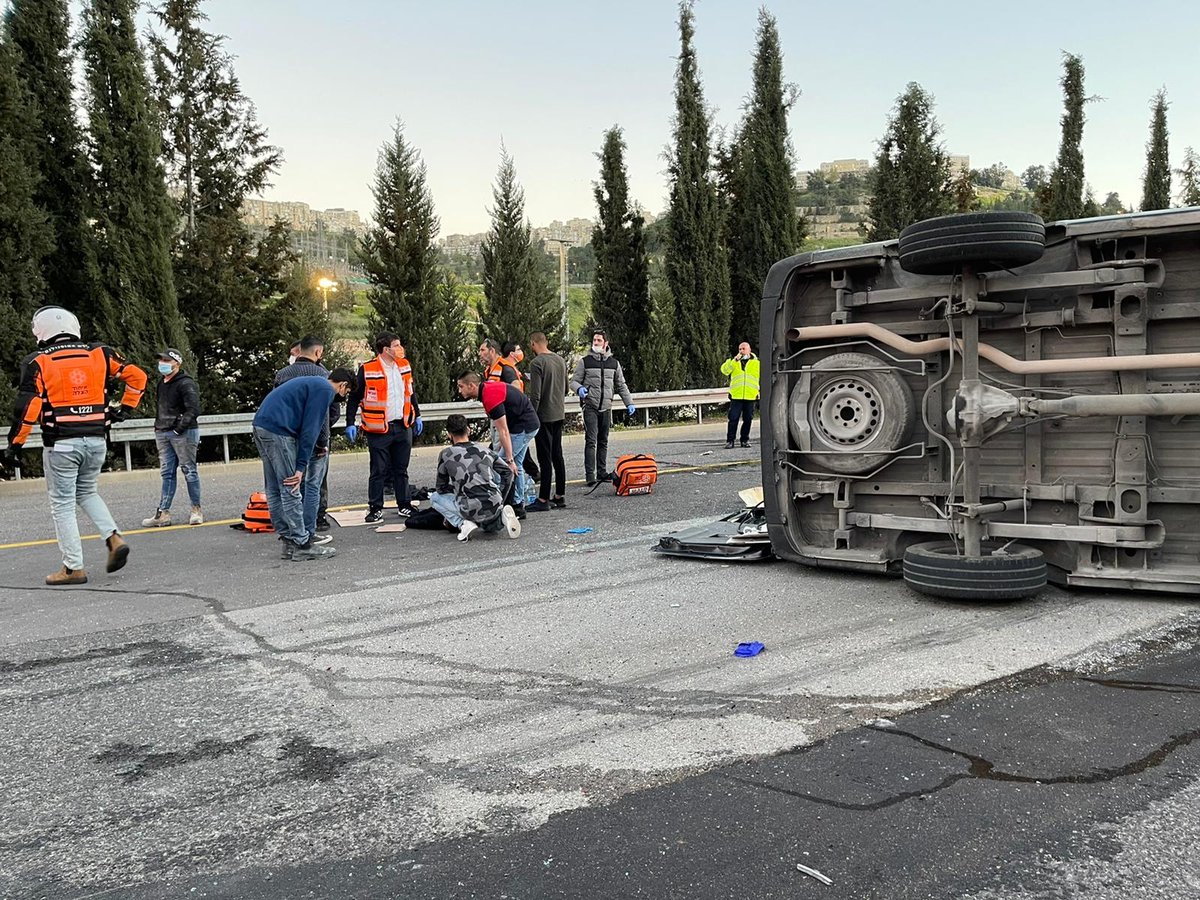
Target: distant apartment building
<point x="577" y="231"/>
<point x="462" y="244"/>
<point x="840" y="167"/>
<point x="301" y="216"/>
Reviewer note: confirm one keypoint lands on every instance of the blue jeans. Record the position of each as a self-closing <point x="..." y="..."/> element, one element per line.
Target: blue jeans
<point x="310" y="489"/>
<point x="448" y="507"/>
<point x="72" y="469"/>
<point x="178" y="451"/>
<point x="278" y="452"/>
<point x="520" y="445"/>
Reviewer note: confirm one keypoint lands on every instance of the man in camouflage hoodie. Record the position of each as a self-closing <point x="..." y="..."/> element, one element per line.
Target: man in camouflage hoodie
<point x="472" y="484"/>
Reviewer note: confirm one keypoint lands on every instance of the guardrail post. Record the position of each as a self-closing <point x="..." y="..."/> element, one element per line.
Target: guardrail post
<point x="128" y="458"/>
<point x="225" y="444"/>
<point x="699" y="413"/>
<point x="646" y="413"/>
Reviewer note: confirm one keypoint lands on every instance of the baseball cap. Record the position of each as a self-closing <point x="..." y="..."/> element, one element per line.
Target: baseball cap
<point x="171" y="353"/>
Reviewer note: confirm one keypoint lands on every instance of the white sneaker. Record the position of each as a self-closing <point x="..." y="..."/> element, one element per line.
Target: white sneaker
<point x="511" y="523"/>
<point x="467" y="529"/>
<point x="322" y="539"/>
<point x="160" y="519"/>
<point x="197" y="517"/>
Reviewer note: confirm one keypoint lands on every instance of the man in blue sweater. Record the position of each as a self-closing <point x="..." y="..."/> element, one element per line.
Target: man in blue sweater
<point x="286" y="430"/>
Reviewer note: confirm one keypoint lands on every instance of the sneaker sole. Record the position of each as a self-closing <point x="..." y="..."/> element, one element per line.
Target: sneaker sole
<point x="511" y="523"/>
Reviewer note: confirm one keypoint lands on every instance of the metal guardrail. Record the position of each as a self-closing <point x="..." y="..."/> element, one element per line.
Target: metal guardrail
<point x="225" y="424"/>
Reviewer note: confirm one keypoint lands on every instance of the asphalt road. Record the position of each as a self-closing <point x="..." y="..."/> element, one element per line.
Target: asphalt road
<point x="562" y="716"/>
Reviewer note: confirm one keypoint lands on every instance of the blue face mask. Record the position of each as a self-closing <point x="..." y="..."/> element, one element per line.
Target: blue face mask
<point x="165" y="368"/>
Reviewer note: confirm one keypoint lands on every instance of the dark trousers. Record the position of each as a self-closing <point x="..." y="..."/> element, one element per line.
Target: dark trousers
<point x="595" y="442"/>
<point x="389" y="463"/>
<point x="550" y="456"/>
<point x="740" y="409"/>
<point x="323" y="500"/>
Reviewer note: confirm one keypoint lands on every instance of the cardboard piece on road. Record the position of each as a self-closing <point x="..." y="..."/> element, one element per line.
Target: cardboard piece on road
<point x="351" y="517"/>
<point x="394" y="528"/>
<point x="751" y="496"/>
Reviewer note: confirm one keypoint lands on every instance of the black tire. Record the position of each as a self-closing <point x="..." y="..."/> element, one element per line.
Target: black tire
<point x="936" y="569"/>
<point x="982" y="241"/>
<point x="866" y="407"/>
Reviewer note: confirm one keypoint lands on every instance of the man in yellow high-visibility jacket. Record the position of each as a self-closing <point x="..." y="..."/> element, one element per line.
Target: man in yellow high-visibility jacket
<point x="743" y="392"/>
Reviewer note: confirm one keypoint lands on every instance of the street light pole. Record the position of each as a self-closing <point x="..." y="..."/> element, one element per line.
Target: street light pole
<point x="563" y="244"/>
<point x="326" y="285"/>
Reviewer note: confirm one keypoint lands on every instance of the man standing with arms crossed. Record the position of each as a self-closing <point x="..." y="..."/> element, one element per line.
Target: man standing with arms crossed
<point x="391" y="418"/>
<point x="743" y="392"/>
<point x="177" y="434"/>
<point x="547" y="390"/>
<point x="64" y="386"/>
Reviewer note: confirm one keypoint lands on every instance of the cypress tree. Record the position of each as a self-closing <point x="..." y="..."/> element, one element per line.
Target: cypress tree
<point x="26" y="238"/>
<point x="1065" y="194"/>
<point x="237" y="306"/>
<point x="620" y="292"/>
<point x="697" y="266"/>
<point x="912" y="170"/>
<point x="519" y="297"/>
<point x="40" y="32"/>
<point x="658" y="365"/>
<point x="401" y="261"/>
<point x="1156" y="181"/>
<point x="764" y="226"/>
<point x="1189" y="178"/>
<point x="134" y="219"/>
<point x="451" y="330"/>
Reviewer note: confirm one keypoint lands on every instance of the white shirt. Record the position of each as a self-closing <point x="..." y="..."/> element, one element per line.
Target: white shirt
<point x="395" y="390"/>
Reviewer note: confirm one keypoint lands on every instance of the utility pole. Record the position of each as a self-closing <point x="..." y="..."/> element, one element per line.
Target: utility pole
<point x="563" y="244"/>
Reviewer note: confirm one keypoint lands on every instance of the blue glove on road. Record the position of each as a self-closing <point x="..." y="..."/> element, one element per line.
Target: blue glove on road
<point x="583" y="392"/>
<point x="419" y="426"/>
<point x="631" y="409"/>
<point x="351" y="433"/>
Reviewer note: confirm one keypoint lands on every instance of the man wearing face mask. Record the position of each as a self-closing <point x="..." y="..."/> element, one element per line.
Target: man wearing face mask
<point x="598" y="378"/>
<point x="391" y="419"/>
<point x="177" y="433"/>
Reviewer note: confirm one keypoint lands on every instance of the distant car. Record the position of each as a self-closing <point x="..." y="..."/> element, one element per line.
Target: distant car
<point x="990" y="402"/>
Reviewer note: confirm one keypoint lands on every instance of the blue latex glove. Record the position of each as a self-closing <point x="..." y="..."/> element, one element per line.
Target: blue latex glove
<point x="419" y="426"/>
<point x="749" y="648"/>
<point x="351" y="433"/>
<point x="631" y="409"/>
<point x="582" y="392"/>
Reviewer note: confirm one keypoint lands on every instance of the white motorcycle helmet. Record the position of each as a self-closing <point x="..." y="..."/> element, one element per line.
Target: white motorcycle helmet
<point x="51" y="321"/>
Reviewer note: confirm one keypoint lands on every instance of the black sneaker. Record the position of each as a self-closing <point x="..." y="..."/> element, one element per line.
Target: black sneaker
<point x="559" y="502"/>
<point x="405" y="511"/>
<point x="729" y="445"/>
<point x="520" y="511"/>
<point x="539" y="506"/>
<point x="592" y="482"/>
<point x="373" y="516"/>
<point x="323" y="524"/>
<point x="745" y="443"/>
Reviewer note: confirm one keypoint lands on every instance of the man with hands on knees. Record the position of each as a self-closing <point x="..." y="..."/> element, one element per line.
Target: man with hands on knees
<point x="515" y="421"/>
<point x="597" y="380"/>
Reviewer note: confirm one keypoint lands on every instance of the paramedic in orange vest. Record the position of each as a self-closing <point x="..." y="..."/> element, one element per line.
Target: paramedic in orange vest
<point x="390" y="419"/>
<point x="64" y="386"/>
<point x="496" y="367"/>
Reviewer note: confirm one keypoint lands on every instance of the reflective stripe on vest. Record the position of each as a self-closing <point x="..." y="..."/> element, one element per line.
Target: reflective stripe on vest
<point x="375" y="396"/>
<point x="743" y="382"/>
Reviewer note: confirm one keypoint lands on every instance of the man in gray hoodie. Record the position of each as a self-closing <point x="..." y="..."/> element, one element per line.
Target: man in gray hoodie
<point x="597" y="379"/>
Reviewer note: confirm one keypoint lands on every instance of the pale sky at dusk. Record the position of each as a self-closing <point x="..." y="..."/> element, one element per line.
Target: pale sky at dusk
<point x="330" y="79"/>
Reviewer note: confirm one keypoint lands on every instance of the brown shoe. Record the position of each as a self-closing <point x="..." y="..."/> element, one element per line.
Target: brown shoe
<point x="118" y="552"/>
<point x="67" y="576"/>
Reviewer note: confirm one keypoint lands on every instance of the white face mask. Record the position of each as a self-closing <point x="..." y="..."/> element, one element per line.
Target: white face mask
<point x="598" y="347"/>
<point x="291" y="360"/>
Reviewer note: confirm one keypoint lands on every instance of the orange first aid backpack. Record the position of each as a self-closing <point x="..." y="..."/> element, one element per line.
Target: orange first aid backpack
<point x="257" y="516"/>
<point x="635" y="473"/>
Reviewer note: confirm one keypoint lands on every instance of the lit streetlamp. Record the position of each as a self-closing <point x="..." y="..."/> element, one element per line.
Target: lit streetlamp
<point x="326" y="285"/>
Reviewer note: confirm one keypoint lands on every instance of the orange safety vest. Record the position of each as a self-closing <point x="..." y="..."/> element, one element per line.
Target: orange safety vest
<point x="496" y="372"/>
<point x="375" y="396"/>
<point x="70" y="390"/>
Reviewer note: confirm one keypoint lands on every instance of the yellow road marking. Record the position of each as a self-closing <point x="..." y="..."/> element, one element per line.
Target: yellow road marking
<point x="94" y="537"/>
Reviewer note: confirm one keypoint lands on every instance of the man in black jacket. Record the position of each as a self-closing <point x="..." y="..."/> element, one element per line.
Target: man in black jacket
<point x="177" y="433"/>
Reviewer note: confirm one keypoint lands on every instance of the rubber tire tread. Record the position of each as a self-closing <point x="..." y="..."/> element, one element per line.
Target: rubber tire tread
<point x="932" y="568"/>
<point x="983" y="241"/>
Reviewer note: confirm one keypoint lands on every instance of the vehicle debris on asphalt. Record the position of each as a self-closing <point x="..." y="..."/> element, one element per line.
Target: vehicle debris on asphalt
<point x="813" y="873"/>
<point x="740" y="536"/>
